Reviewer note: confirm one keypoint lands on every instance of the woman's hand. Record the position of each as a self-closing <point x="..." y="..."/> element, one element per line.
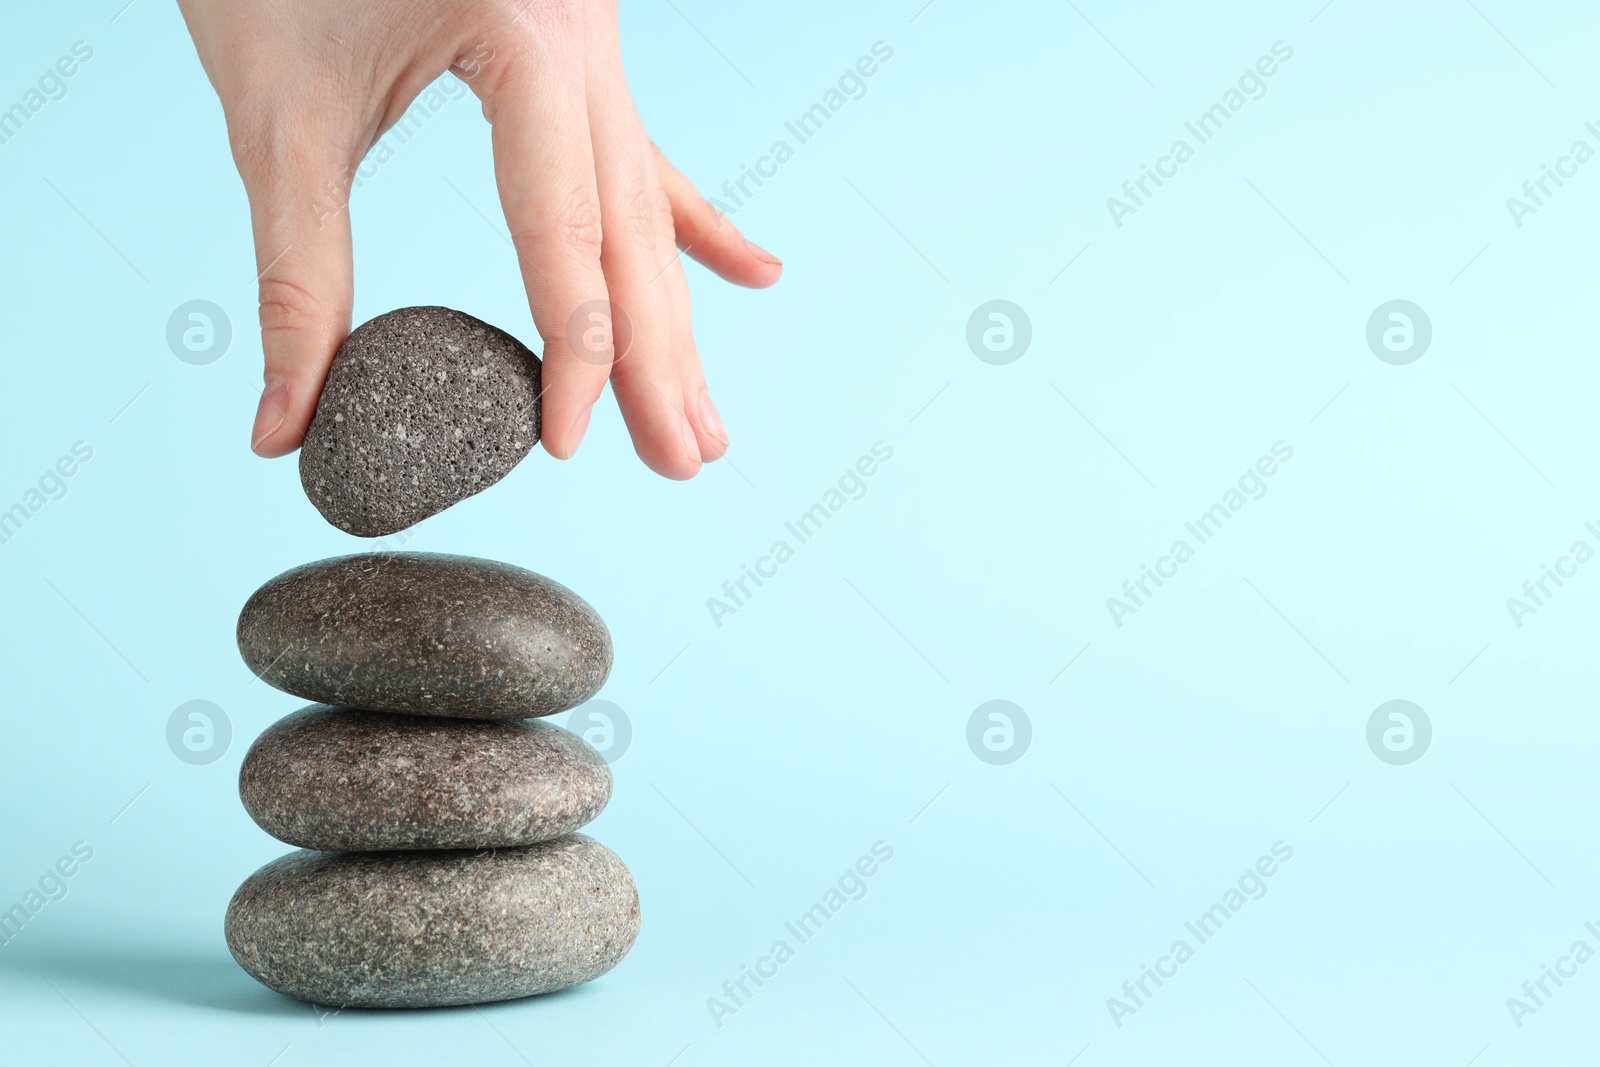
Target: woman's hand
<point x="595" y="211"/>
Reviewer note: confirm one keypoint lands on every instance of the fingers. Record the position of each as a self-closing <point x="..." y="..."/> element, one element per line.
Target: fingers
<point x="711" y="435"/>
<point x="709" y="237"/>
<point x="544" y="166"/>
<point x="701" y="412"/>
<point x="638" y="218"/>
<point x="292" y="174"/>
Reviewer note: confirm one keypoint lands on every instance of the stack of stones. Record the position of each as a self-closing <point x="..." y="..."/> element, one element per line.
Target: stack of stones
<point x="434" y="813"/>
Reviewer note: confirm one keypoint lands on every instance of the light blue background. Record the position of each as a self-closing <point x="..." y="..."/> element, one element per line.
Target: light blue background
<point x="770" y="753"/>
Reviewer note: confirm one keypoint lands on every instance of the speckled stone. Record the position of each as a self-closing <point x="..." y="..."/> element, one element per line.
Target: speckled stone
<point x="426" y="634"/>
<point x="430" y="929"/>
<point x="332" y="778"/>
<point x="423" y="407"/>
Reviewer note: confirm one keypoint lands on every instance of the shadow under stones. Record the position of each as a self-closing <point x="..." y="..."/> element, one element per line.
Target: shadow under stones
<point x="205" y="980"/>
<point x="196" y="979"/>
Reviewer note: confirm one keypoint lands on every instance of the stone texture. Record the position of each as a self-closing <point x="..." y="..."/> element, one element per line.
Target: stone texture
<point x="332" y="778"/>
<point x="423" y="407"/>
<point x="429" y="929"/>
<point x="426" y="634"/>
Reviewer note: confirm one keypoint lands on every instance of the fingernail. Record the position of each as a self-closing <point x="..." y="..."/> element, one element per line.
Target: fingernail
<point x="271" y="412"/>
<point x="579" y="428"/>
<point x="762" y="254"/>
<point x="711" y="422"/>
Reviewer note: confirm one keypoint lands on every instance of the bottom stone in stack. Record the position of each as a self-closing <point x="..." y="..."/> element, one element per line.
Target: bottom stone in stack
<point x="434" y="928"/>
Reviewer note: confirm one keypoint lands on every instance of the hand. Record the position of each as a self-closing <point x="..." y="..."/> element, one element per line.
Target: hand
<point x="594" y="209"/>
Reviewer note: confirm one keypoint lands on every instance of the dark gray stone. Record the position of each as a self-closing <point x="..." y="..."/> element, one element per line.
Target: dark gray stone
<point x="332" y="778"/>
<point x="429" y="929"/>
<point x="423" y="407"/>
<point x="426" y="634"/>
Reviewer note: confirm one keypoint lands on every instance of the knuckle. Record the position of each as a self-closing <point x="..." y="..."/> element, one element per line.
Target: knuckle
<point x="538" y="26"/>
<point x="287" y="306"/>
<point x="558" y="18"/>
<point x="645" y="214"/>
<point x="289" y="152"/>
<point x="257" y="149"/>
<point x="269" y="137"/>
<point x="698" y="220"/>
<point x="574" y="229"/>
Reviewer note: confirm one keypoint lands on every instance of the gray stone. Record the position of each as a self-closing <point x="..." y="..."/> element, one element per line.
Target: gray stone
<point x="426" y="634"/>
<point x="423" y="407"/>
<point x="332" y="778"/>
<point x="429" y="929"/>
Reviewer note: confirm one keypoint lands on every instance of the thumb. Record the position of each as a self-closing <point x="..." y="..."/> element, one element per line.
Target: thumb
<point x="299" y="199"/>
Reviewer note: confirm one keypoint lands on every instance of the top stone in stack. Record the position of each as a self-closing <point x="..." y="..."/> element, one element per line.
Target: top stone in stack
<point x="423" y="407"/>
<point x="426" y="634"/>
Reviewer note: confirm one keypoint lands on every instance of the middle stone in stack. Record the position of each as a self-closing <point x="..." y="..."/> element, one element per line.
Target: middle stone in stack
<point x="445" y="869"/>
